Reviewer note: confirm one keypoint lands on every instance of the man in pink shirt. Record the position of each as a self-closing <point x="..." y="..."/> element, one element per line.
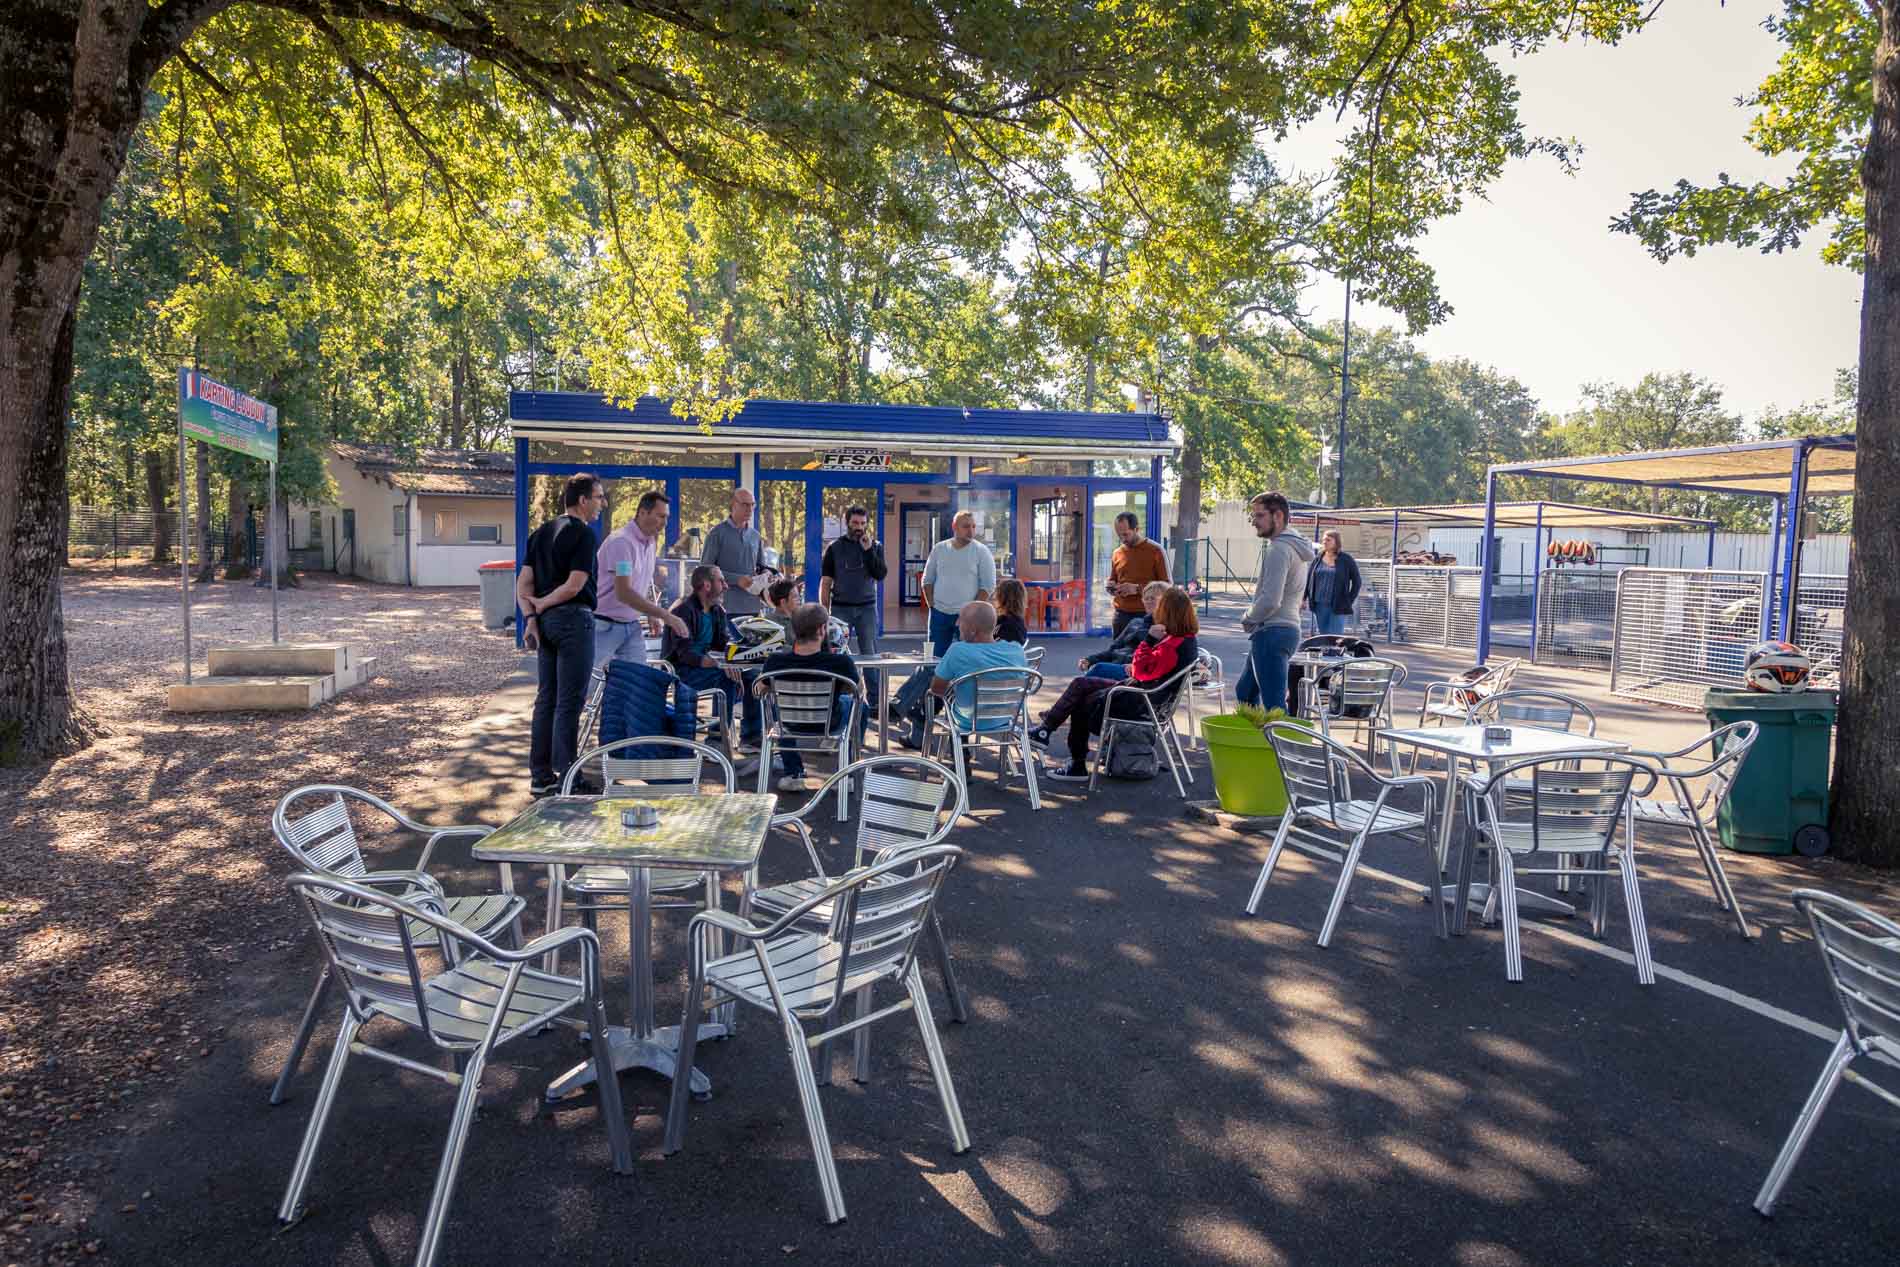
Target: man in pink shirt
<point x="623" y="573"/>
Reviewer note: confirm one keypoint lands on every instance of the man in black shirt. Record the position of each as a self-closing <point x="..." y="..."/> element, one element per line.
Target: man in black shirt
<point x="848" y="577"/>
<point x="808" y="653"/>
<point x="556" y="592"/>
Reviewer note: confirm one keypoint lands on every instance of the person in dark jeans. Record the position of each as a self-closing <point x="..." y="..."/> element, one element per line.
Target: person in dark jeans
<point x="1332" y="585"/>
<point x="1172" y="643"/>
<point x="555" y="591"/>
<point x="696" y="656"/>
<point x="1272" y="622"/>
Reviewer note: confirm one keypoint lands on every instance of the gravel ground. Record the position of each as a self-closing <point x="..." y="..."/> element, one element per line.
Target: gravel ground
<point x="136" y="874"/>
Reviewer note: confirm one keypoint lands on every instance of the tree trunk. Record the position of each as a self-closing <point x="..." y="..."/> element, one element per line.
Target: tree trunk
<point x="155" y="486"/>
<point x="72" y="85"/>
<point x="1866" y="808"/>
<point x="458" y="431"/>
<point x="207" y="557"/>
<point x="1187" y="497"/>
<point x="237" y="510"/>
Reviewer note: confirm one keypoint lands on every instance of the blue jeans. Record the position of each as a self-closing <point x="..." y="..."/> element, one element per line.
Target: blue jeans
<point x="943" y="631"/>
<point x="563" y="660"/>
<point x="1110" y="670"/>
<point x="1268" y="650"/>
<point x="795" y="762"/>
<point x="701" y="678"/>
<point x="619" y="640"/>
<point x="1328" y="622"/>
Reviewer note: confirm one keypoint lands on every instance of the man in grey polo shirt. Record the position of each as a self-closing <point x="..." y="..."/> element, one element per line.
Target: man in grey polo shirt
<point x="735" y="548"/>
<point x="959" y="571"/>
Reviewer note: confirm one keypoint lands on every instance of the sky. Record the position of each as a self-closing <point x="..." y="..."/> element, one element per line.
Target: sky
<point x="1542" y="290"/>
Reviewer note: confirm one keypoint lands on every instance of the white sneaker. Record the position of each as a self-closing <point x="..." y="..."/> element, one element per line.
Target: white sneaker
<point x="792" y="783"/>
<point x="747" y="768"/>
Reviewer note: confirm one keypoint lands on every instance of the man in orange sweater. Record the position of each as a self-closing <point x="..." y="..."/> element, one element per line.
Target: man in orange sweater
<point x="1136" y="562"/>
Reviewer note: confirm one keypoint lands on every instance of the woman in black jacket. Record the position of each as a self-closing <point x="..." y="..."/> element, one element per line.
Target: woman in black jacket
<point x="1332" y="586"/>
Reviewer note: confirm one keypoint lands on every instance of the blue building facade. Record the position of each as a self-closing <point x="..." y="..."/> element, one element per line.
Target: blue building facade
<point x="1045" y="486"/>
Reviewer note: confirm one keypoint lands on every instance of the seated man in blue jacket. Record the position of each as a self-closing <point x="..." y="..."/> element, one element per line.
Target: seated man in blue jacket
<point x="696" y="656"/>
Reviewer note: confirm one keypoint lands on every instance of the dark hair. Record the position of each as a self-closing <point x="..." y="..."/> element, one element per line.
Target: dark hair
<point x="703" y="573"/>
<point x="780" y="590"/>
<point x="1272" y="501"/>
<point x="651" y="498"/>
<point x="1011" y="598"/>
<point x="1175" y="613"/>
<point x="1128" y="517"/>
<point x="577" y="487"/>
<point x="855" y="510"/>
<point x="808" y="622"/>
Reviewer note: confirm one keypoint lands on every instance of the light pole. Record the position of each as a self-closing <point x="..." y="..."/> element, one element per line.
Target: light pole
<point x="1345" y="392"/>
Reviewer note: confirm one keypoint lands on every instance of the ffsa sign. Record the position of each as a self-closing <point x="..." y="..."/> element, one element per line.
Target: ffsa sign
<point x="870" y="460"/>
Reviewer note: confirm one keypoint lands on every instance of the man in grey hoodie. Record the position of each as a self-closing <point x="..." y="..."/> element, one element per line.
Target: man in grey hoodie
<point x="1272" y="623"/>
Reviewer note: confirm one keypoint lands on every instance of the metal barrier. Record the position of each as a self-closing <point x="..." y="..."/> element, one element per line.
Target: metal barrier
<point x="1576" y="618"/>
<point x="1679" y="631"/>
<point x="116" y="534"/>
<point x="1435" y="606"/>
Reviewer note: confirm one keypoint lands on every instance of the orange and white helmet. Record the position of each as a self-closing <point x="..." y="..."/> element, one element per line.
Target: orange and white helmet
<point x="1776" y="667"/>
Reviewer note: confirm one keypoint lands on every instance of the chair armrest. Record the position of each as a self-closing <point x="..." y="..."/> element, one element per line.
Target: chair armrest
<point x="796" y="821"/>
<point x="443" y="833"/>
<point x="409" y="879"/>
<point x="546" y="942"/>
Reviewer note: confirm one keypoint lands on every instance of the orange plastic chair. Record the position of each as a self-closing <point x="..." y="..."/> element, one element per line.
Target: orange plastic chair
<point x="1035" y="607"/>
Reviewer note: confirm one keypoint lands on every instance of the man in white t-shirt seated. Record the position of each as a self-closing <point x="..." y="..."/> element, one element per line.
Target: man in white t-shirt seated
<point x="976" y="648"/>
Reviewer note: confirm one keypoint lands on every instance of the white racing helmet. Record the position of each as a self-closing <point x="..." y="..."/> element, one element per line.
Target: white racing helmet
<point x="1776" y="666"/>
<point x="754" y="638"/>
<point x="837" y="636"/>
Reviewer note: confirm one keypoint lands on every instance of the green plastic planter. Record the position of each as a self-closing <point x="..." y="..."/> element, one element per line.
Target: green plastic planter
<point x="1246" y="772"/>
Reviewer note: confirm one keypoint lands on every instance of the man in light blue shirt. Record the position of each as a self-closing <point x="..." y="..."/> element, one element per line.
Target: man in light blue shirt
<point x="960" y="570"/>
<point x="976" y="648"/>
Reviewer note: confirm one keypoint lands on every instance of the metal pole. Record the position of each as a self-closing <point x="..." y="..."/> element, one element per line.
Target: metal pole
<point x="1345" y="391"/>
<point x="1484" y="565"/>
<point x="1711" y="563"/>
<point x="1791" y="556"/>
<point x="270" y="549"/>
<point x="184" y="542"/>
<point x="1537" y="571"/>
<point x="1768" y="584"/>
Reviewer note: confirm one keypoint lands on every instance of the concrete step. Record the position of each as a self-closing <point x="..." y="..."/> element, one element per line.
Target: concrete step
<point x="280" y="659"/>
<point x="359" y="672"/>
<point x="226" y="694"/>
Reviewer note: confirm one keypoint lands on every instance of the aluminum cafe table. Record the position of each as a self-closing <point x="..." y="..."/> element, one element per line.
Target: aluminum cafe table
<point x="889" y="662"/>
<point x="694" y="833"/>
<point x="1467" y="743"/>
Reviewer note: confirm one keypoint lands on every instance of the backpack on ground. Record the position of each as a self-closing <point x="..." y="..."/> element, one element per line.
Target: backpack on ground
<point x="1131" y="750"/>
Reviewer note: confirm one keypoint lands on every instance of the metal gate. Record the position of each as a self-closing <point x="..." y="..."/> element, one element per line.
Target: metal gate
<point x="1435" y="606"/>
<point x="1576" y="618"/>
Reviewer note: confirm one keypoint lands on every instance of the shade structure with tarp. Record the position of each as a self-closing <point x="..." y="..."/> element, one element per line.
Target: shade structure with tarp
<point x="1727" y="608"/>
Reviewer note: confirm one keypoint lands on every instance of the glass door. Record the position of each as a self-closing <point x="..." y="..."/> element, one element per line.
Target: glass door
<point x="834" y="505"/>
<point x="1104" y="506"/>
<point x="923" y="527"/>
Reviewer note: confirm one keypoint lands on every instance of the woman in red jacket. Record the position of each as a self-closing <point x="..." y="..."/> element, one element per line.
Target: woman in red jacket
<point x="1171" y="645"/>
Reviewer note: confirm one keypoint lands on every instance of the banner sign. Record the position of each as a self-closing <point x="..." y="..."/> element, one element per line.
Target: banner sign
<point x="855" y="460"/>
<point x="226" y="417"/>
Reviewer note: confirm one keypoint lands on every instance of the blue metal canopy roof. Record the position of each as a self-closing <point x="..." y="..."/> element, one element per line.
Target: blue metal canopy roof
<point x="590" y="418"/>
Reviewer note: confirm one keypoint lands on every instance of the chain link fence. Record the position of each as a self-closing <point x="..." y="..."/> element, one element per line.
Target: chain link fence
<point x="133" y="535"/>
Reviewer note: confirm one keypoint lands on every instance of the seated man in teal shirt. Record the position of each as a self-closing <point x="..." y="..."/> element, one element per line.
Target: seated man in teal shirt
<point x="976" y="648"/>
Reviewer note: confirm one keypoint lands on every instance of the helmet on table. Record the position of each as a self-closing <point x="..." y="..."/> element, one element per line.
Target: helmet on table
<point x="755" y="638"/>
<point x="1776" y="666"/>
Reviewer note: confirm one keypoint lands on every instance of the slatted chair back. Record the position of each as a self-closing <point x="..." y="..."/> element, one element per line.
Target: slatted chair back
<point x="905" y="803"/>
<point x="879" y="936"/>
<point x="320" y="839"/>
<point x="590" y="710"/>
<point x="1363" y="688"/>
<point x="1731" y="743"/>
<point x="1546" y="709"/>
<point x="368" y="939"/>
<point x="800" y="702"/>
<point x="997" y="700"/>
<point x="1032" y="656"/>
<point x="1566" y="804"/>
<point x="666" y="766"/>
<point x="1309" y="764"/>
<point x="1862" y="953"/>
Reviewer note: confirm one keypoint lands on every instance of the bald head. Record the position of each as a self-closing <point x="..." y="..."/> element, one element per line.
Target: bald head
<point x="977" y="622"/>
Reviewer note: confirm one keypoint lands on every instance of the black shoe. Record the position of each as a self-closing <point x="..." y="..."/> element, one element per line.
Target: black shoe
<point x="1066" y="774"/>
<point x="1040" y="737"/>
<point x="539" y="790"/>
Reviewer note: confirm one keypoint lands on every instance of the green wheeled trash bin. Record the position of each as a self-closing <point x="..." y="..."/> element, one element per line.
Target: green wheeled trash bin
<point x="1779" y="800"/>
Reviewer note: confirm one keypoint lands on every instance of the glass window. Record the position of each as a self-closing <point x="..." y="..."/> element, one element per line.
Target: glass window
<point x="602" y="455"/>
<point x="442" y="526"/>
<point x="993" y="525"/>
<point x="1029" y="466"/>
<point x="316" y="527"/>
<point x="702" y="503"/>
<point x="1102" y="526"/>
<point x="782" y="523"/>
<point x="1046" y="527"/>
<point x="401" y="520"/>
<point x="485" y="534"/>
<point x="1123" y="468"/>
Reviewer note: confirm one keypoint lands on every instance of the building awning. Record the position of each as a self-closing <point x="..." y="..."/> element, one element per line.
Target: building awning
<point x="1509" y="515"/>
<point x="1760" y="466"/>
<point x="587" y="418"/>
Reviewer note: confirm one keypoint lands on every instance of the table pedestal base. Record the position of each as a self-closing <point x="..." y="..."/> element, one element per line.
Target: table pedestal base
<point x="658" y="1051"/>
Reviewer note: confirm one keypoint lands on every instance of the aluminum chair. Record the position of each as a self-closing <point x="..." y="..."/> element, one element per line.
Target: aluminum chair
<point x="905" y="803"/>
<point x="1209" y="679"/>
<point x="1566" y="806"/>
<point x="1325" y="818"/>
<point x="1698" y="814"/>
<point x="324" y="840"/>
<point x="710" y="708"/>
<point x="1861" y="951"/>
<point x="484" y="997"/>
<point x="806" y="978"/>
<point x="598" y="887"/>
<point x="1449" y="703"/>
<point x="590" y="710"/>
<point x="1546" y="709"/>
<point x="1152" y="708"/>
<point x="1357" y="693"/>
<point x="799" y="712"/>
<point x="998" y="714"/>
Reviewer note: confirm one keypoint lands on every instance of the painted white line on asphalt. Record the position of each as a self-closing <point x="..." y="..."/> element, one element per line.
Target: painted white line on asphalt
<point x="1747" y="1002"/>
